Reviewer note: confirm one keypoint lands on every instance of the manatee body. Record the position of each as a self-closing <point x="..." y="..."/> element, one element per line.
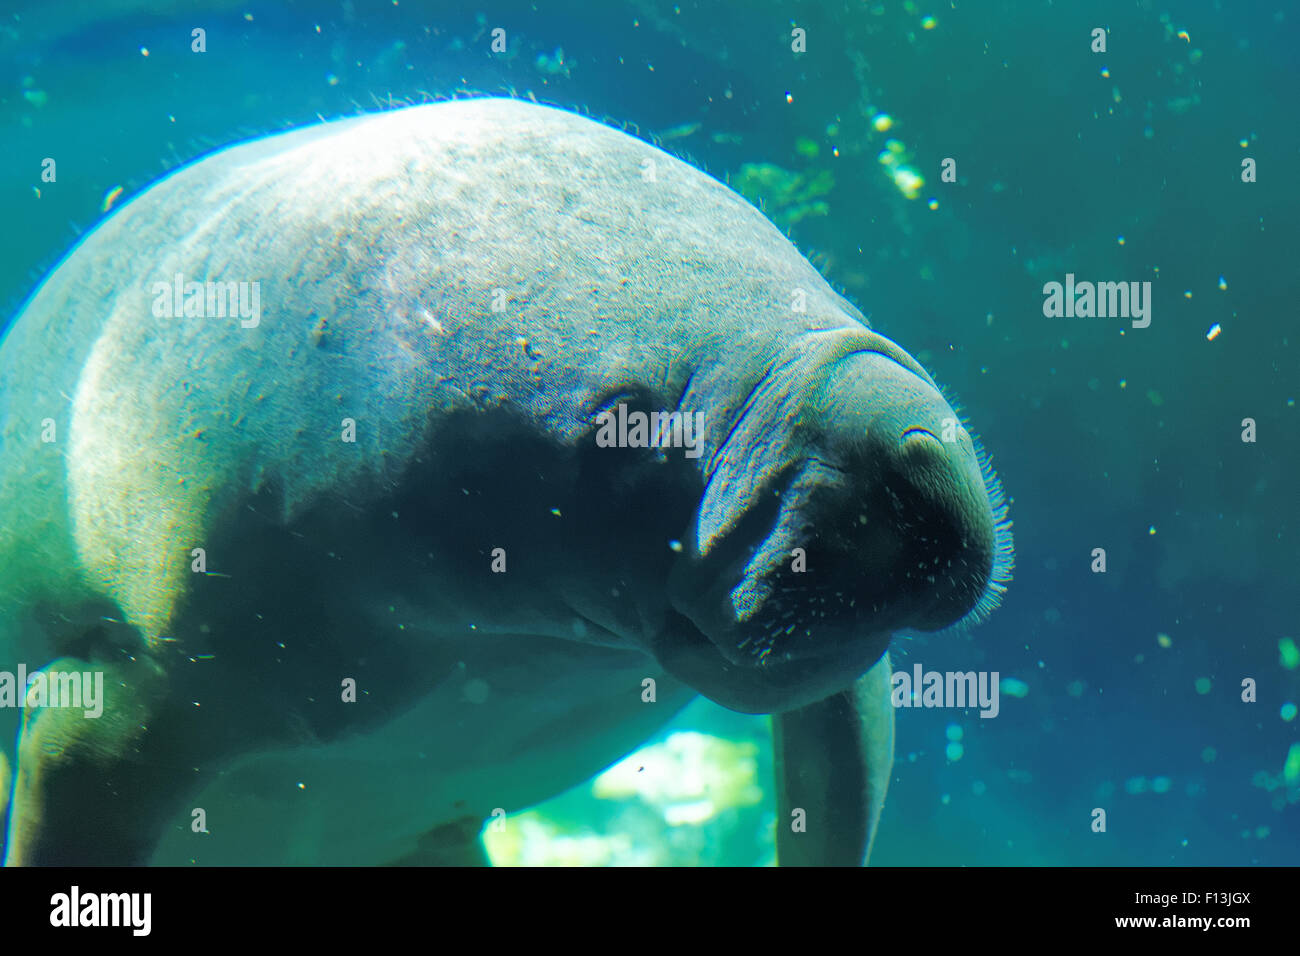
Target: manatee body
<point x="387" y="473"/>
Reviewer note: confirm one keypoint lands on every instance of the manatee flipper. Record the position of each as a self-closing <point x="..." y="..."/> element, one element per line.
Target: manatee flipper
<point x="90" y="791"/>
<point x="833" y="761"/>
<point x="452" y="844"/>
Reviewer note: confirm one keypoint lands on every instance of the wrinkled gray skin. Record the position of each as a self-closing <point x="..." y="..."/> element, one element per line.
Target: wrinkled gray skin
<point x="380" y="244"/>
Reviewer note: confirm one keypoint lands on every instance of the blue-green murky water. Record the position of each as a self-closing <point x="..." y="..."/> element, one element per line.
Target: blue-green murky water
<point x="1117" y="166"/>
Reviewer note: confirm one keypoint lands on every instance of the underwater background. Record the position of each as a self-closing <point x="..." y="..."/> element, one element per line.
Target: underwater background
<point x="1120" y="690"/>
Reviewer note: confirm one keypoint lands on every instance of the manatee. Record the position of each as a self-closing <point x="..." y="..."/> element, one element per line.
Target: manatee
<point x="324" y="410"/>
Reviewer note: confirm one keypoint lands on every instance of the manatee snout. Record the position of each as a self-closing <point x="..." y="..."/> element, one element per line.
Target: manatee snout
<point x="910" y="516"/>
<point x="884" y="518"/>
<point x="941" y="516"/>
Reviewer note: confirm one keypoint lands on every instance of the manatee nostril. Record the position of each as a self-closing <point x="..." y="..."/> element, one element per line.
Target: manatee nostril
<point x="921" y="435"/>
<point x="923" y="460"/>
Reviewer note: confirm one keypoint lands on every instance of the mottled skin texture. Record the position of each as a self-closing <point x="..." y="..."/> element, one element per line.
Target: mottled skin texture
<point x="381" y="244"/>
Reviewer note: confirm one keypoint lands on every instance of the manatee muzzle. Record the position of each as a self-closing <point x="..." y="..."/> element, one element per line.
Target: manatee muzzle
<point x="883" y="520"/>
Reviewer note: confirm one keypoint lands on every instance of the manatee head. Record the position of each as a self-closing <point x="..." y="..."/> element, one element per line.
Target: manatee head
<point x="854" y="505"/>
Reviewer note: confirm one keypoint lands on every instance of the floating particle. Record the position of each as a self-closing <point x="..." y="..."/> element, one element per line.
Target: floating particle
<point x="1288" y="653"/>
<point x="110" y="197"/>
<point x="1160" y="784"/>
<point x="1184" y="35"/>
<point x="1223" y="283"/>
<point x="556" y="512"/>
<point x="945" y="799"/>
<point x="1151" y="530"/>
<point x="1187" y="293"/>
<point x="1120" y="240"/>
<point x="928" y="23"/>
<point x="1164" y="640"/>
<point x="1244" y="143"/>
<point x="675" y="546"/>
<point x="1105" y="72"/>
<point x="953" y="732"/>
<point x="301" y="785"/>
<point x="1261" y="832"/>
<point x="1155" y="398"/>
<point x="1291" y="769"/>
<point x="882" y="122"/>
<point x="477" y="691"/>
<point x="933" y="203"/>
<point x="1076" y="688"/>
<point x="144" y="51"/>
<point x="331" y="79"/>
<point x="1014" y="687"/>
<point x="908" y="181"/>
<point x="1213" y="334"/>
<point x="1288" y="711"/>
<point x="1202" y="685"/>
<point x="954" y="751"/>
<point x="1209" y="754"/>
<point x="789" y="97"/>
<point x="978" y="788"/>
<point x="1123" y="383"/>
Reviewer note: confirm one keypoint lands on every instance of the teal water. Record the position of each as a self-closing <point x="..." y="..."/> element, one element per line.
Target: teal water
<point x="1116" y="166"/>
